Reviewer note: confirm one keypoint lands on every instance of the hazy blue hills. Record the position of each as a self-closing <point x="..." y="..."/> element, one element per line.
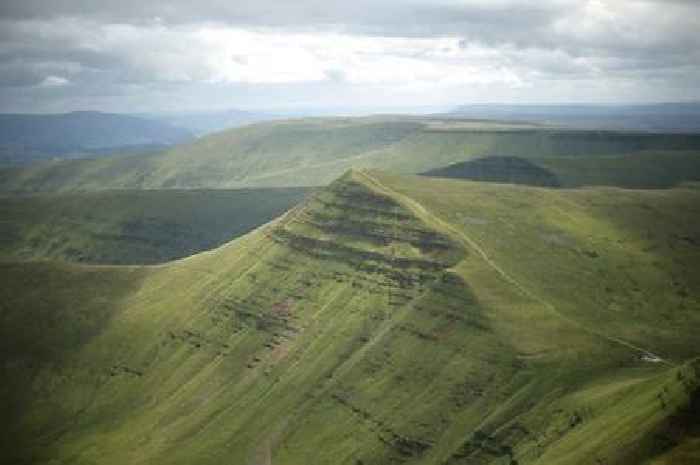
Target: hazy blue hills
<point x="26" y="138"/>
<point x="207" y="122"/>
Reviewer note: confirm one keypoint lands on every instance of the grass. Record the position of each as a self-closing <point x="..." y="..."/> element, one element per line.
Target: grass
<point x="388" y="319"/>
<point x="643" y="170"/>
<point x="133" y="227"/>
<point x="595" y="251"/>
<point x="314" y="152"/>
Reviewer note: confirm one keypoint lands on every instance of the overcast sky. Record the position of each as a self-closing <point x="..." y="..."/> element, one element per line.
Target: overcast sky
<point x="143" y="56"/>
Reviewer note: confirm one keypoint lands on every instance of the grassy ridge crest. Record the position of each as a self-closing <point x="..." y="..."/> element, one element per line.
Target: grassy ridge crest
<point x="361" y="327"/>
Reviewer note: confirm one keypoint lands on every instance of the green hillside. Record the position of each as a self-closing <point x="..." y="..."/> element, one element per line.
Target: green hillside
<point x="133" y="227"/>
<point x="388" y="319"/>
<point x="644" y="170"/>
<point x="314" y="152"/>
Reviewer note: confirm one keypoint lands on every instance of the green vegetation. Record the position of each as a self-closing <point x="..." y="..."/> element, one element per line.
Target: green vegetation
<point x="511" y="170"/>
<point x="133" y="227"/>
<point x="645" y="170"/>
<point x="314" y="152"/>
<point x="388" y="319"/>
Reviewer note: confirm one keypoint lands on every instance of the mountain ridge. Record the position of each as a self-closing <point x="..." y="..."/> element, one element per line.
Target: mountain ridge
<point x="315" y="151"/>
<point x="355" y="329"/>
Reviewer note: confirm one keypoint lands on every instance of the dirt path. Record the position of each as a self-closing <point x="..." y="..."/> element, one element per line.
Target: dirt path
<point x="438" y="223"/>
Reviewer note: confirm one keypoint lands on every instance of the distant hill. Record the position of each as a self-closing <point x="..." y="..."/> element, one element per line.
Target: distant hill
<point x="206" y="122"/>
<point x="314" y="151"/>
<point x="668" y="117"/>
<point x="387" y="320"/>
<point x="27" y="138"/>
<point x="511" y="170"/>
<point x="646" y="170"/>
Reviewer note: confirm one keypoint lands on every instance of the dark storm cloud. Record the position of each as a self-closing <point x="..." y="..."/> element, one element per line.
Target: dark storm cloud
<point x="84" y="49"/>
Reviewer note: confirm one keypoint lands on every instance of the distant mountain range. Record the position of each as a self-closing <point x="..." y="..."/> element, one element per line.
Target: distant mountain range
<point x="667" y="117"/>
<point x="315" y="151"/>
<point x="206" y="122"/>
<point x="26" y="138"/>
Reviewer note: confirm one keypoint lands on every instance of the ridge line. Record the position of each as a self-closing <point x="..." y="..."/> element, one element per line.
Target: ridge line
<point x="419" y="209"/>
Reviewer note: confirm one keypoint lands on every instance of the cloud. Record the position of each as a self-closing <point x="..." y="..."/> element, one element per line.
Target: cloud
<point x="54" y="81"/>
<point x="270" y="51"/>
<point x="216" y="53"/>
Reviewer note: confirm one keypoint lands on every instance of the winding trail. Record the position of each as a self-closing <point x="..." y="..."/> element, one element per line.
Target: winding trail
<point x="420" y="211"/>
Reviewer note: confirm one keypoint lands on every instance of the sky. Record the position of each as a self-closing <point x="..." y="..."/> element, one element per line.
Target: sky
<point x="156" y="56"/>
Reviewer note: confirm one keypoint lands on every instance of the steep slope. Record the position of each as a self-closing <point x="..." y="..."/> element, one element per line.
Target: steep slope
<point x="314" y="152"/>
<point x="622" y="258"/>
<point x="386" y="320"/>
<point x="133" y="227"/>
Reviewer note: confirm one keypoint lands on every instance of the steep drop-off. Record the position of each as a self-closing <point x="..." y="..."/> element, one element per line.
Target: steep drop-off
<point x="382" y="321"/>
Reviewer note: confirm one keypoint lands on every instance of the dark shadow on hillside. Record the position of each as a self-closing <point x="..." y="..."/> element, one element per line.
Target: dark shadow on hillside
<point x="680" y="427"/>
<point x="132" y="227"/>
<point x="512" y="170"/>
<point x="49" y="312"/>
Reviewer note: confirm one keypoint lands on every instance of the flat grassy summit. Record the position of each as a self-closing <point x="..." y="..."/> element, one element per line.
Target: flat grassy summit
<point x="315" y="151"/>
<point x="386" y="319"/>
